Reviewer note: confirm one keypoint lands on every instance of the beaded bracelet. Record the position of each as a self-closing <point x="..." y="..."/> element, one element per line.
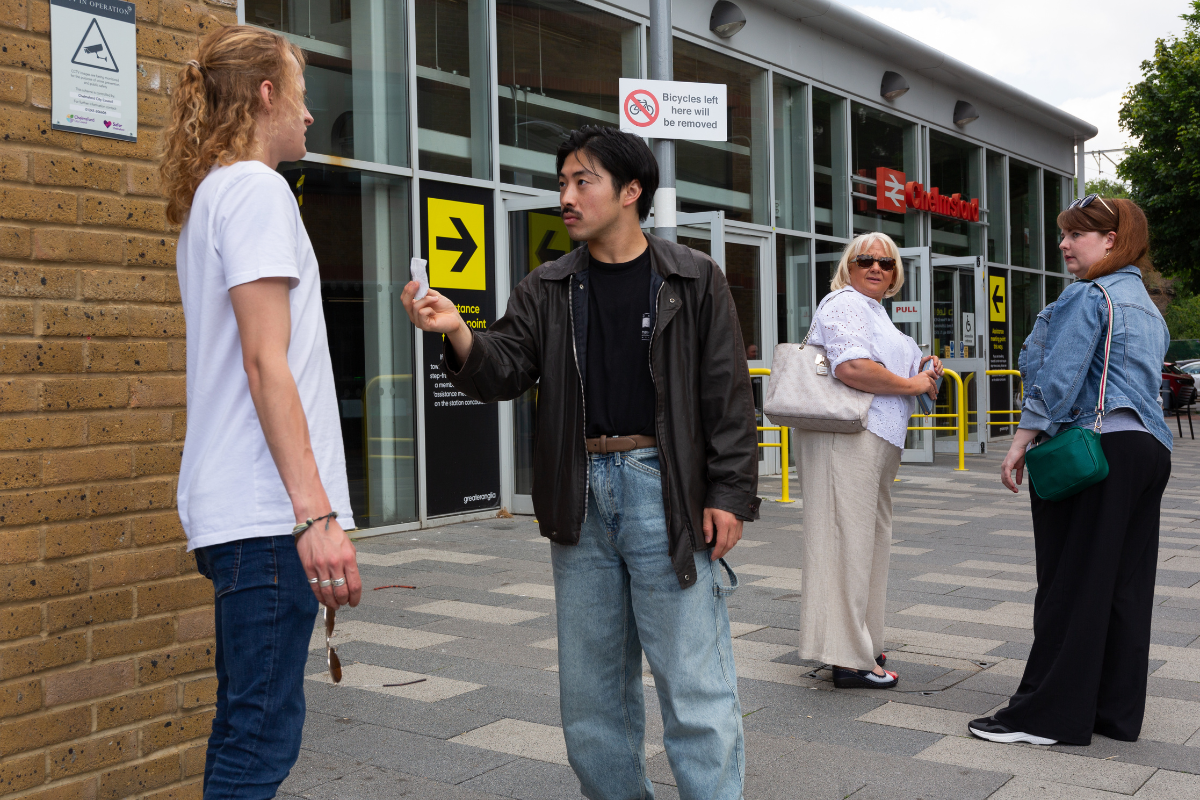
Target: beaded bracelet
<point x="308" y="523"/>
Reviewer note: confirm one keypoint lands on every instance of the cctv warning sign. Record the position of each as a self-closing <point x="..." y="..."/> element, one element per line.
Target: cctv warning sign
<point x="93" y="47"/>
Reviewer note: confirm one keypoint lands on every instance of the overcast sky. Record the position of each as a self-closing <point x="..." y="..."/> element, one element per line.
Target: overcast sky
<point x="1080" y="56"/>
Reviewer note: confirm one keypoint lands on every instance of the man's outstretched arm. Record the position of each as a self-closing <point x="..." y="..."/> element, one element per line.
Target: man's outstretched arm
<point x="265" y="324"/>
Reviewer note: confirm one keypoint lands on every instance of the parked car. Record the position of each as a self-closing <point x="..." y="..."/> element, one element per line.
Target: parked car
<point x="1191" y="367"/>
<point x="1179" y="386"/>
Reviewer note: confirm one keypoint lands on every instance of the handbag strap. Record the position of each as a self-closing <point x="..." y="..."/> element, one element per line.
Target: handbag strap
<point x="1107" y="348"/>
<point x="812" y="326"/>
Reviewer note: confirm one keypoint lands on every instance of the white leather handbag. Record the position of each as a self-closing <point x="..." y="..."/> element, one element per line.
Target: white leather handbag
<point x="804" y="393"/>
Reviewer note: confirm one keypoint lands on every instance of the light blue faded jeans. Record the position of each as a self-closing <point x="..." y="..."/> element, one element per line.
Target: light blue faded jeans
<point x="616" y="595"/>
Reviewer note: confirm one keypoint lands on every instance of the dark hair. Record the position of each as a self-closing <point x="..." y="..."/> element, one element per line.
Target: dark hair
<point x="1121" y="216"/>
<point x="624" y="155"/>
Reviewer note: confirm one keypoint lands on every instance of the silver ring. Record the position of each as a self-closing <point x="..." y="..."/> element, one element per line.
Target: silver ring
<point x="324" y="583"/>
<point x="340" y="582"/>
<point x="312" y="580"/>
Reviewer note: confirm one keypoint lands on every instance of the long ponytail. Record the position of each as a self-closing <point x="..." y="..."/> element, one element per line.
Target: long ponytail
<point x="215" y="106"/>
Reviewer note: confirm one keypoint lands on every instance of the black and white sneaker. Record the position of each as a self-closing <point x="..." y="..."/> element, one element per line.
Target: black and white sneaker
<point x="863" y="679"/>
<point x="988" y="728"/>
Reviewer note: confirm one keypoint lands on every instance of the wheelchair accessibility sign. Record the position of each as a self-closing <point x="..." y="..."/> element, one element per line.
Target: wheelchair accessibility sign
<point x="93" y="51"/>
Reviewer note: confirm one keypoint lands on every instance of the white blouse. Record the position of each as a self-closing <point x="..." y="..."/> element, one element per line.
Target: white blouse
<point x="850" y="325"/>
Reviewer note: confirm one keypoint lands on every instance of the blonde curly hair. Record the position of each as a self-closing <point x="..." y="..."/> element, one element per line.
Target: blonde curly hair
<point x="216" y="103"/>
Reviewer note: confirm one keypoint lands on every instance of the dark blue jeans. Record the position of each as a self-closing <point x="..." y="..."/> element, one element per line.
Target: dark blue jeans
<point x="264" y="613"/>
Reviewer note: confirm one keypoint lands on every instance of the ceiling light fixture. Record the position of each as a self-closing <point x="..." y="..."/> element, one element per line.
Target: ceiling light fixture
<point x="893" y="85"/>
<point x="964" y="113"/>
<point x="726" y="19"/>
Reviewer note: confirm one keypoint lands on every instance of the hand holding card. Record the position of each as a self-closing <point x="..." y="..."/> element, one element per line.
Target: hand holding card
<point x="417" y="268"/>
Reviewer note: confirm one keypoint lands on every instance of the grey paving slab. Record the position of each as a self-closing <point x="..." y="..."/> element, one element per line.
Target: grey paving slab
<point x="528" y="780"/>
<point x="428" y="757"/>
<point x="959" y="593"/>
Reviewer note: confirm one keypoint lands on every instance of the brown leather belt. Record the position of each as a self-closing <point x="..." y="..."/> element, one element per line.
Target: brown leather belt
<point x="619" y="444"/>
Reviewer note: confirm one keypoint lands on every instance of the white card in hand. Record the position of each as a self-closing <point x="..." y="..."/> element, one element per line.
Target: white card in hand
<point x="417" y="268"/>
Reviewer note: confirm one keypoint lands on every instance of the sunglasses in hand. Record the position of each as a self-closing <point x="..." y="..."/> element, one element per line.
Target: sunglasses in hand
<point x="331" y="656"/>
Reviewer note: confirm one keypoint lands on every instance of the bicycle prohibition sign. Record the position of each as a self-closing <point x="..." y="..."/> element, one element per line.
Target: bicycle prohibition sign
<point x="641" y="108"/>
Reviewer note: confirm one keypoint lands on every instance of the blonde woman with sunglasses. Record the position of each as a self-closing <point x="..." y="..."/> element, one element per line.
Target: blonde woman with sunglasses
<point x="846" y="478"/>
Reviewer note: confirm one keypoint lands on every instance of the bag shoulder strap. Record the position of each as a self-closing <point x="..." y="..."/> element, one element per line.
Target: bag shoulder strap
<point x="1107" y="349"/>
<point x="816" y="313"/>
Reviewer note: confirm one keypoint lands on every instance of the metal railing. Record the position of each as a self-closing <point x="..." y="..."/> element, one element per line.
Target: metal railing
<point x="960" y="420"/>
<point x="784" y="434"/>
<point x="1020" y="395"/>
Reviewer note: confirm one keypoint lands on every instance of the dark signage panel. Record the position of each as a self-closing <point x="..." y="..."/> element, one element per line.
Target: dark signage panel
<point x="999" y="396"/>
<point x="462" y="436"/>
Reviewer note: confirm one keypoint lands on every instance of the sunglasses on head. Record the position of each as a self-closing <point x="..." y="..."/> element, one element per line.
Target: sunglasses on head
<point x="1084" y="202"/>
<point x="887" y="263"/>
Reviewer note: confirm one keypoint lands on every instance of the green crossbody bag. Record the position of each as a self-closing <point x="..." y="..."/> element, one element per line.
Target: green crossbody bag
<point x="1073" y="460"/>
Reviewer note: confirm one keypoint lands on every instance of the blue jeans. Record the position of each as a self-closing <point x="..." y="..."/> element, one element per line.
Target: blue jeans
<point x="616" y="594"/>
<point x="265" y="612"/>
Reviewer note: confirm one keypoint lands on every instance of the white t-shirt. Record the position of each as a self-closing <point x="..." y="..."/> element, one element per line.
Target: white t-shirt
<point x="244" y="224"/>
<point x="852" y="325"/>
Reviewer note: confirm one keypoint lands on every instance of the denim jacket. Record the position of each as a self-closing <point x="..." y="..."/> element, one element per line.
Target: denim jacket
<point x="1062" y="360"/>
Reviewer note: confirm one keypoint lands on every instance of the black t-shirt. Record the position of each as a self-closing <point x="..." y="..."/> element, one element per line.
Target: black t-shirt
<point x="619" y="387"/>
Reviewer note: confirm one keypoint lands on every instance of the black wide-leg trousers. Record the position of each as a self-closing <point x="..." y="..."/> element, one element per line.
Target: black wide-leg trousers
<point x="1097" y="554"/>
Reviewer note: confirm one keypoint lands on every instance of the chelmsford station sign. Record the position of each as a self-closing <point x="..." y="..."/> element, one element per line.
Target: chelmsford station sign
<point x="894" y="193"/>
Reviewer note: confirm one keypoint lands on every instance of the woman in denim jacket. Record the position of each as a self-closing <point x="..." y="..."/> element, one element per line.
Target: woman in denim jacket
<point x="1097" y="551"/>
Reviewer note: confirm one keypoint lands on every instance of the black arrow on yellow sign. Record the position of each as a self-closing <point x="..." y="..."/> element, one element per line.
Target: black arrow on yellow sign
<point x="545" y="252"/>
<point x="997" y="298"/>
<point x="464" y="245"/>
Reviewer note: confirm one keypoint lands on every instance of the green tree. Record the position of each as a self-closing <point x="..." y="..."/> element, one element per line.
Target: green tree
<point x="1106" y="188"/>
<point x="1183" y="316"/>
<point x="1163" y="113"/>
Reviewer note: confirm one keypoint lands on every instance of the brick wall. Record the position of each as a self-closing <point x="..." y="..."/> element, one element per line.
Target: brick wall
<point x="106" y="650"/>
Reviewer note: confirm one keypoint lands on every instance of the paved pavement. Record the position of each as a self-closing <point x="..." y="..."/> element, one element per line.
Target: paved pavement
<point x="480" y="628"/>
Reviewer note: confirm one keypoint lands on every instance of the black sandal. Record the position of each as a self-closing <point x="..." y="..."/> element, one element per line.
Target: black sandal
<point x="863" y="679"/>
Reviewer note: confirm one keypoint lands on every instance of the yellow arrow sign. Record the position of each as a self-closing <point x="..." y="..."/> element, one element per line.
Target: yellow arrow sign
<point x="457" y="234"/>
<point x="548" y="238"/>
<point x="996" y="297"/>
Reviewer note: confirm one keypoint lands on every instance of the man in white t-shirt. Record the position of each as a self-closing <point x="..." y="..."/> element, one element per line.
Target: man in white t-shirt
<point x="262" y="493"/>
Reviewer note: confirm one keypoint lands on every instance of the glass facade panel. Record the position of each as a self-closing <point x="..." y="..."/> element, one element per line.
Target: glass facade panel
<point x="359" y="226"/>
<point x="1024" y="236"/>
<point x="542" y="92"/>
<point x="878" y="139"/>
<point x="1054" y="287"/>
<point x="742" y="272"/>
<point x="1053" y="193"/>
<point x="997" y="216"/>
<point x="1025" y="300"/>
<point x="793" y="288"/>
<point x="452" y="87"/>
<point x="728" y="175"/>
<point x="954" y="168"/>
<point x="791" y="154"/>
<point x="826" y="262"/>
<point x="831" y="182"/>
<point x="356" y="75"/>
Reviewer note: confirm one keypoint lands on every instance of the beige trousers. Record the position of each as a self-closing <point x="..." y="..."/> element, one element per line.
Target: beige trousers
<point x="846" y="482"/>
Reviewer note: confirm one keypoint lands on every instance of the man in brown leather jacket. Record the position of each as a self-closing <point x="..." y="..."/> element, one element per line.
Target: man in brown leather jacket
<point x="645" y="467"/>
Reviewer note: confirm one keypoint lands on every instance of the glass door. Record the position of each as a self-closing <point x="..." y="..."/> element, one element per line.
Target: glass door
<point x="957" y="295"/>
<point x="536" y="234"/>
<point x="909" y="312"/>
<point x="743" y="254"/>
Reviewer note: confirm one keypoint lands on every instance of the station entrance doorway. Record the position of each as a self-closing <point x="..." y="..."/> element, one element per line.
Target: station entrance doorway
<point x="535" y="234"/>
<point x="958" y="316"/>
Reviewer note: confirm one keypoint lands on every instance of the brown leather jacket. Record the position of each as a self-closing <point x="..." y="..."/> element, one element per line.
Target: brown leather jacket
<point x="704" y="409"/>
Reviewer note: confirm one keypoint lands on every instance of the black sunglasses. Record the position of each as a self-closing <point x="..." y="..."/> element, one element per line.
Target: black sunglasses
<point x="1084" y="202"/>
<point x="887" y="263"/>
